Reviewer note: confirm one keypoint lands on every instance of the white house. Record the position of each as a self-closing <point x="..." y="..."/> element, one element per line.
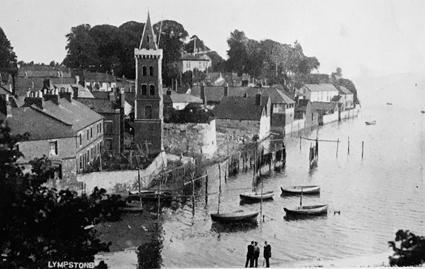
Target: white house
<point x="323" y="92"/>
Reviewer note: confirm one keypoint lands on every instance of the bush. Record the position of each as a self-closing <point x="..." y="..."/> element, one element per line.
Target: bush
<point x="411" y="249"/>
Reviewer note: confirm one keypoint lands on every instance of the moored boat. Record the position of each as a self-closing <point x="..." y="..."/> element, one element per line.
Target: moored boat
<point x="307" y="210"/>
<point x="235" y="216"/>
<point x="307" y="189"/>
<point x="370" y="122"/>
<point x="256" y="196"/>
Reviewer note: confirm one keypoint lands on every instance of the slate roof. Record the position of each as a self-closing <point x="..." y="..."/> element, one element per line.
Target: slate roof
<point x="130" y="97"/>
<point x="181" y="98"/>
<point x="100" y="94"/>
<point x="240" y="108"/>
<point x="323" y="87"/>
<point x="276" y="96"/>
<point x="344" y="91"/>
<point x="99" y="105"/>
<point x="40" y="125"/>
<point x="215" y="94"/>
<point x="98" y="77"/>
<point x="3" y="90"/>
<point x="23" y="84"/>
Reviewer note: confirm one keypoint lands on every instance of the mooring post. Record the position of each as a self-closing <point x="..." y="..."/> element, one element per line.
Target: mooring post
<point x="206" y="190"/>
<point x="348" y="147"/>
<point x="193" y="193"/>
<point x="362" y="148"/>
<point x="226" y="170"/>
<point x="337" y="145"/>
<point x="300" y="143"/>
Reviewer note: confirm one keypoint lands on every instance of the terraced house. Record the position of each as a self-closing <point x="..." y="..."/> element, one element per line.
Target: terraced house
<point x="61" y="128"/>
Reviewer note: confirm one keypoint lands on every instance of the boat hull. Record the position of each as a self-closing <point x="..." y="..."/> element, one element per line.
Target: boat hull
<point x="233" y="217"/>
<point x="256" y="197"/>
<point x="149" y="195"/>
<point x="295" y="190"/>
<point x="314" y="210"/>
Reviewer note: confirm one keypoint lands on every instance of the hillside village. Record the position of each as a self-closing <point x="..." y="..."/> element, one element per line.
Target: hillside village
<point x="86" y="121"/>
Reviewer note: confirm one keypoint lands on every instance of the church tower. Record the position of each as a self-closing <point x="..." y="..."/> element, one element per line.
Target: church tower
<point x="148" y="107"/>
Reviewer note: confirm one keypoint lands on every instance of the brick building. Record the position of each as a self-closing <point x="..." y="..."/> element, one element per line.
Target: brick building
<point x="148" y="112"/>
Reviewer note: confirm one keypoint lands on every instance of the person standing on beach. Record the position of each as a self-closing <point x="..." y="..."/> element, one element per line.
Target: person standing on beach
<point x="267" y="253"/>
<point x="250" y="255"/>
<point x="256" y="254"/>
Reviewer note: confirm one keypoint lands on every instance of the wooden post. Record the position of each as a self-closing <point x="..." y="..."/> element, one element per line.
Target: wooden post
<point x="193" y="193"/>
<point x="219" y="188"/>
<point x="348" y="148"/>
<point x="140" y="187"/>
<point x="300" y="143"/>
<point x="206" y="190"/>
<point x="362" y="148"/>
<point x="337" y="145"/>
<point x="226" y="170"/>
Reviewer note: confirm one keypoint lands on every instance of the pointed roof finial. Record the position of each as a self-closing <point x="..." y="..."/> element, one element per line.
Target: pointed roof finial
<point x="148" y="36"/>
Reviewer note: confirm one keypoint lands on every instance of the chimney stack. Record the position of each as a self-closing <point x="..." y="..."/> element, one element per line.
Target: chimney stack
<point x="52" y="95"/>
<point x="258" y="99"/>
<point x="226" y="89"/>
<point x="34" y="98"/>
<point x="75" y="92"/>
<point x="203" y="95"/>
<point x="66" y="95"/>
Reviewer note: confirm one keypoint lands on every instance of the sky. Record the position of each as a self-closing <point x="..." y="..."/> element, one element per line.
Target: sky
<point x="363" y="37"/>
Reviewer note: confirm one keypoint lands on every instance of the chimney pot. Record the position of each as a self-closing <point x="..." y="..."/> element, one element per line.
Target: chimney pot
<point x="203" y="95"/>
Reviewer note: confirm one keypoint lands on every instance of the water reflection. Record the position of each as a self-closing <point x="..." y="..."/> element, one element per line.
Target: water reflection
<point x="218" y="227"/>
<point x="304" y="217"/>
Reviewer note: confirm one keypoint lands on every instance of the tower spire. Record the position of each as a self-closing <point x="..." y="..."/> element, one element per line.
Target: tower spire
<point x="148" y="40"/>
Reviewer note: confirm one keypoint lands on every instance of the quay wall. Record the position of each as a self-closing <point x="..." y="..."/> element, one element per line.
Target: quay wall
<point x="351" y="113"/>
<point x="111" y="180"/>
<point x="295" y="126"/>
<point x="330" y="117"/>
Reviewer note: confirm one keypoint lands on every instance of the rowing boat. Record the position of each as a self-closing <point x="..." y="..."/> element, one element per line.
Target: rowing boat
<point x="370" y="122"/>
<point x="235" y="216"/>
<point x="256" y="196"/>
<point x="307" y="210"/>
<point x="312" y="189"/>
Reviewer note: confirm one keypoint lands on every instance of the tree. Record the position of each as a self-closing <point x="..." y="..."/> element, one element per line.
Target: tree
<point x="109" y="47"/>
<point x="39" y="224"/>
<point x="81" y="49"/>
<point x="411" y="249"/>
<point x="238" y="55"/>
<point x="7" y="56"/>
<point x="171" y="41"/>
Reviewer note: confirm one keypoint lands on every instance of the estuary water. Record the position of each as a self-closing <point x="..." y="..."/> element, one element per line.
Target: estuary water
<point x="376" y="195"/>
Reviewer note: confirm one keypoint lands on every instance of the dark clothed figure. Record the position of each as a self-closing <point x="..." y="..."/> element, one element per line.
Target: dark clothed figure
<point x="267" y="253"/>
<point x="250" y="255"/>
<point x="256" y="254"/>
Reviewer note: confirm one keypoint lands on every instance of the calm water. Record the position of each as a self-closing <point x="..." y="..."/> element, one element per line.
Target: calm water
<point x="376" y="196"/>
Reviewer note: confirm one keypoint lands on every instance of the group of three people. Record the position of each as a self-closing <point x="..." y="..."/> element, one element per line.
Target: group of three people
<point x="254" y="253"/>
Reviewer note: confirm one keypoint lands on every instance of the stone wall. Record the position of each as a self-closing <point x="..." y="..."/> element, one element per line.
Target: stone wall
<point x="110" y="180"/>
<point x="295" y="126"/>
<point x="191" y="138"/>
<point x="243" y="129"/>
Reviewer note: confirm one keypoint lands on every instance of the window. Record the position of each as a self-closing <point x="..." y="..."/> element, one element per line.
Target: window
<point x="91" y="132"/>
<point x="144" y="71"/>
<point x="151" y="71"/>
<point x="148" y="112"/>
<point x="100" y="128"/>
<point x="53" y="145"/>
<point x="81" y="162"/>
<point x="144" y="89"/>
<point x="88" y="135"/>
<point x="152" y="89"/>
<point x="108" y="127"/>
<point x="80" y="137"/>
<point x="108" y="144"/>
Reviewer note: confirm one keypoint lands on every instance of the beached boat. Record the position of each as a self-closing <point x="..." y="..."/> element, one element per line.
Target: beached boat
<point x="235" y="216"/>
<point x="312" y="189"/>
<point x="132" y="207"/>
<point x="307" y="210"/>
<point x="370" y="122"/>
<point x="256" y="196"/>
<point x="148" y="195"/>
<point x="389" y="104"/>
